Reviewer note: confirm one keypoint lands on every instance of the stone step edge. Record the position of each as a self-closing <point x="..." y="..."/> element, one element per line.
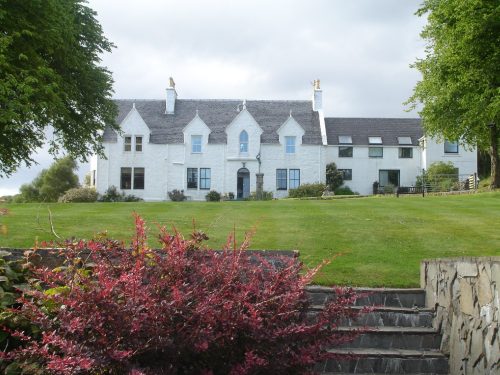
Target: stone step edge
<point x="389" y="330"/>
<point x="327" y="289"/>
<point x="389" y="353"/>
<point x="380" y="308"/>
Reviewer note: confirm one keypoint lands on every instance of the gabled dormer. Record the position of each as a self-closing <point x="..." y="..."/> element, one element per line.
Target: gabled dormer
<point x="243" y="135"/>
<point x="290" y="135"/>
<point x="135" y="132"/>
<point x="196" y="134"/>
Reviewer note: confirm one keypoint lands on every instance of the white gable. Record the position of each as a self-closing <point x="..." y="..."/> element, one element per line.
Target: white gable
<point x="290" y="128"/>
<point x="196" y="127"/>
<point x="133" y="124"/>
<point x="243" y="121"/>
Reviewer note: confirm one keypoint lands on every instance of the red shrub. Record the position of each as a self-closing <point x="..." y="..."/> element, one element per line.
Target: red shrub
<point x="179" y="310"/>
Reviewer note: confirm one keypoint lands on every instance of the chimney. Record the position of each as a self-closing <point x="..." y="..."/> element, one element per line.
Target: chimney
<point x="317" y="96"/>
<point x="171" y="97"/>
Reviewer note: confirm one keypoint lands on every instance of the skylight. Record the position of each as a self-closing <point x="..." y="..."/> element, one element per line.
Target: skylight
<point x="345" y="139"/>
<point x="404" y="140"/>
<point x="375" y="140"/>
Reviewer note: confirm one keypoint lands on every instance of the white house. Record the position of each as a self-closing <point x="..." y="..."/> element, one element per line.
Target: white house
<point x="228" y="145"/>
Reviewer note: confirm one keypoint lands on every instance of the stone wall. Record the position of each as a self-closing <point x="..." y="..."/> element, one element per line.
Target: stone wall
<point x="465" y="293"/>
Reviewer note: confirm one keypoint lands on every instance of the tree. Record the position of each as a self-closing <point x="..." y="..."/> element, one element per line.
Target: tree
<point x="51" y="183"/>
<point x="334" y="178"/>
<point x="460" y="87"/>
<point x="49" y="76"/>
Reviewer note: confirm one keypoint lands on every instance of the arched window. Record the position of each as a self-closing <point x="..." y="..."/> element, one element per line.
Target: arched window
<point x="243" y="142"/>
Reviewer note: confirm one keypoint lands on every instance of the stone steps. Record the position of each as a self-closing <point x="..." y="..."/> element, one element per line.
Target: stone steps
<point x="399" y="339"/>
<point x="382" y="316"/>
<point x="386" y="362"/>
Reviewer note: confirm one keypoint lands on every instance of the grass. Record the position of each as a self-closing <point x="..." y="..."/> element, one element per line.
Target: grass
<point x="382" y="239"/>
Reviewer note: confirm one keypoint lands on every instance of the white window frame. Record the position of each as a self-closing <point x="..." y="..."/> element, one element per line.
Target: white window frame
<point x="127" y="144"/>
<point x="290" y="142"/>
<point x="141" y="143"/>
<point x="370" y="155"/>
<point x="243" y="138"/>
<point x="196" y="144"/>
<point x="293" y="178"/>
<point x="205" y="178"/>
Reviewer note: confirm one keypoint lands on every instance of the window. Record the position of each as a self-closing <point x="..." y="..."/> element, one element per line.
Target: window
<point x="404" y="140"/>
<point x="346" y="174"/>
<point x="405" y="152"/>
<point x="280" y="179"/>
<point x="376" y="152"/>
<point x="375" y="140"/>
<point x="138" y="178"/>
<point x="388" y="177"/>
<point x="127" y="143"/>
<point x="450" y="147"/>
<point x="345" y="140"/>
<point x="294" y="178"/>
<point x="192" y="178"/>
<point x="205" y="175"/>
<point x="345" y="152"/>
<point x="196" y="144"/>
<point x="243" y="142"/>
<point x="138" y="143"/>
<point x="126" y="178"/>
<point x="290" y="145"/>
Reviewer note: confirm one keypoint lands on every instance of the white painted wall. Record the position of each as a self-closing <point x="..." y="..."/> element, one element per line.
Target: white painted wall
<point x="166" y="165"/>
<point x="465" y="160"/>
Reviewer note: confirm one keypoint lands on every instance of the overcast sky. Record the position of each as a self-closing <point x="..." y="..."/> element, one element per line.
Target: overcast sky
<point x="261" y="49"/>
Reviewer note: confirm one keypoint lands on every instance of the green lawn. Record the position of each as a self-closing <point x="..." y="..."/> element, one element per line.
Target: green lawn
<point x="382" y="240"/>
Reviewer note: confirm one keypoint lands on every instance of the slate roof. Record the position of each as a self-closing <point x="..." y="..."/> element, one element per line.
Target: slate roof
<point x="218" y="114"/>
<point x="362" y="128"/>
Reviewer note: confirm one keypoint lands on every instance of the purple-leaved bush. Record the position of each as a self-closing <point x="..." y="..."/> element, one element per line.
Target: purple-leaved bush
<point x="179" y="309"/>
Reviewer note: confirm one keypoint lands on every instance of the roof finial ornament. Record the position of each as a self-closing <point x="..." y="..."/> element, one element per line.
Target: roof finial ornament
<point x="133" y="105"/>
<point x="197" y="115"/>
<point x="290" y="113"/>
<point x="244" y="104"/>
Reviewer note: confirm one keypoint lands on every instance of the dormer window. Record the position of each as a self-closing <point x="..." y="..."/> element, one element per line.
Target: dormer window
<point x="196" y="144"/>
<point x="243" y="142"/>
<point x="138" y="143"/>
<point x="345" y="140"/>
<point x="290" y="145"/>
<point x="127" y="143"/>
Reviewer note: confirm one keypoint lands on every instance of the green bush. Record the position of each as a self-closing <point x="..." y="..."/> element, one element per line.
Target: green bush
<point x="113" y="195"/>
<point x="176" y="195"/>
<point x="345" y="190"/>
<point x="13" y="280"/>
<point x="334" y="178"/>
<point x="307" y="190"/>
<point x="440" y="176"/>
<point x="85" y="194"/>
<point x="212" y="196"/>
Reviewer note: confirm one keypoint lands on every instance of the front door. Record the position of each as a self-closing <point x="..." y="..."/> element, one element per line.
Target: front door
<point x="243" y="184"/>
